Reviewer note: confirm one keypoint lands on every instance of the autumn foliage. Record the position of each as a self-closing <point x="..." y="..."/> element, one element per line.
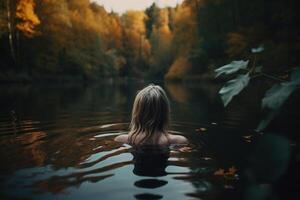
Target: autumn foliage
<point x="28" y="20"/>
<point x="78" y="38"/>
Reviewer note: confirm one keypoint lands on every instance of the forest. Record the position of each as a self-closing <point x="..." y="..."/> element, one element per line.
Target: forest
<point x="80" y="40"/>
<point x="230" y="68"/>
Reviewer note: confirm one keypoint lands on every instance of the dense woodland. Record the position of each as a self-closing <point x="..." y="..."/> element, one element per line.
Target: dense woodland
<point x="42" y="39"/>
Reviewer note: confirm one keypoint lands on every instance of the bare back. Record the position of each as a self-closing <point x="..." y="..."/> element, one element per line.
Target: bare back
<point x="161" y="140"/>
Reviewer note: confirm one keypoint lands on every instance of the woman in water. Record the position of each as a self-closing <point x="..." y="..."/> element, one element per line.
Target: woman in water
<point x="148" y="133"/>
<point x="150" y="120"/>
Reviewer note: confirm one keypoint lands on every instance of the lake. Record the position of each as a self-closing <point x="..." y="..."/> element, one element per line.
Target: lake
<point x="57" y="142"/>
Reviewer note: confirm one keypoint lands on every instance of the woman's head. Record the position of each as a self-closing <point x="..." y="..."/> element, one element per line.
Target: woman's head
<point x="150" y="113"/>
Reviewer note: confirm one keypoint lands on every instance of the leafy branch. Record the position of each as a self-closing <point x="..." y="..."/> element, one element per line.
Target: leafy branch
<point x="274" y="97"/>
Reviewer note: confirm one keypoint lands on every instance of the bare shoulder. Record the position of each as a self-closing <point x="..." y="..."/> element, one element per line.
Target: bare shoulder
<point x="178" y="139"/>
<point x="121" y="138"/>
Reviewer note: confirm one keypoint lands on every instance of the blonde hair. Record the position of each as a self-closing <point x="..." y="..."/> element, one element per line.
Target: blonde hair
<point x="150" y="114"/>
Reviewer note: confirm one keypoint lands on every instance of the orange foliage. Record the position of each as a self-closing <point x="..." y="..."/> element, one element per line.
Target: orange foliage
<point x="83" y="16"/>
<point x="178" y="69"/>
<point x="135" y="30"/>
<point x="94" y="19"/>
<point x="146" y="53"/>
<point x="185" y="29"/>
<point x="56" y="22"/>
<point x="135" y="20"/>
<point x="28" y="19"/>
<point x="115" y="32"/>
<point x="161" y="31"/>
<point x="161" y="41"/>
<point x="230" y="174"/>
<point x="55" y="14"/>
<point x="219" y="172"/>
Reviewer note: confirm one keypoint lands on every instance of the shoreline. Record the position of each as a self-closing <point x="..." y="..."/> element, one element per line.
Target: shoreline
<point x="8" y="78"/>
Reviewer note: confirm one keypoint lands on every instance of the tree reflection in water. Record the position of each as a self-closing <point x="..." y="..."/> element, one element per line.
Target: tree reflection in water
<point x="59" y="140"/>
<point x="58" y="184"/>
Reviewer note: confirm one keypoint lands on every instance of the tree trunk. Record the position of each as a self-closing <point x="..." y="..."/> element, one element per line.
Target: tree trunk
<point x="18" y="48"/>
<point x="10" y="27"/>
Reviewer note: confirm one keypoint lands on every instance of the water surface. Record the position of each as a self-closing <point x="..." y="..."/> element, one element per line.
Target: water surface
<point x="57" y="143"/>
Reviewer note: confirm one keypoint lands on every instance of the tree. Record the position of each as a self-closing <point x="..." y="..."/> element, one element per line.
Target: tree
<point x="135" y="41"/>
<point x="161" y="42"/>
<point x="27" y="19"/>
<point x="10" y="9"/>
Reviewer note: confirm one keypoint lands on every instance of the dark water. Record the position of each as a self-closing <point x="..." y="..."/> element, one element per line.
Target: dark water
<point x="56" y="142"/>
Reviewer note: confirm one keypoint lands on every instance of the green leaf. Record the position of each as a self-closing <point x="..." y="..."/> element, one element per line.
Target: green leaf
<point x="295" y="75"/>
<point x="233" y="87"/>
<point x="232" y="67"/>
<point x="258" y="49"/>
<point x="277" y="95"/>
<point x="268" y="118"/>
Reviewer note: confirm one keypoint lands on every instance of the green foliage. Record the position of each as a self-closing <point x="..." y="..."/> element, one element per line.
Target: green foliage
<point x="277" y="95"/>
<point x="274" y="98"/>
<point x="257" y="50"/>
<point x="233" y="87"/>
<point x="152" y="15"/>
<point x="232" y="67"/>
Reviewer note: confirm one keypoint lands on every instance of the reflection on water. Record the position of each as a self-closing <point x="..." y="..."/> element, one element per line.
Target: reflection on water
<point x="150" y="161"/>
<point x="57" y="142"/>
<point x="150" y="183"/>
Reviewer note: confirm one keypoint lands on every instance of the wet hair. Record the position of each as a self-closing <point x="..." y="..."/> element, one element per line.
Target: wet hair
<point x="150" y="114"/>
